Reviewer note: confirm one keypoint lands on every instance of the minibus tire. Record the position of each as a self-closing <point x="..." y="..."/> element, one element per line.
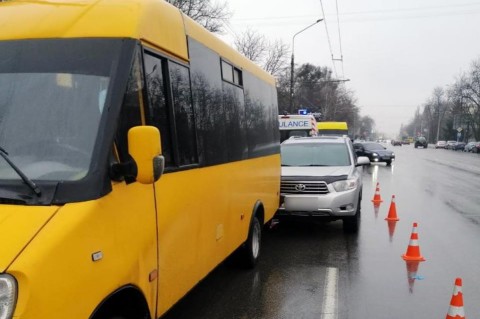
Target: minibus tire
<point x="251" y="248"/>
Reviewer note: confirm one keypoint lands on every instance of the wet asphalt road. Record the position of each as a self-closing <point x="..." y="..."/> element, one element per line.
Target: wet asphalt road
<point x="317" y="271"/>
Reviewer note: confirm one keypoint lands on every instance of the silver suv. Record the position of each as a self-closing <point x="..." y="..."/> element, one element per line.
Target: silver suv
<point x="321" y="178"/>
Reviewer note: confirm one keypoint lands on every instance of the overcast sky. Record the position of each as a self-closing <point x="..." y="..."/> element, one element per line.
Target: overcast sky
<point x="394" y="52"/>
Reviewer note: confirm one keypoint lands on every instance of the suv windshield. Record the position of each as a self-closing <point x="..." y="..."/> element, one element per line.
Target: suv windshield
<point x="315" y="154"/>
<point x="52" y="96"/>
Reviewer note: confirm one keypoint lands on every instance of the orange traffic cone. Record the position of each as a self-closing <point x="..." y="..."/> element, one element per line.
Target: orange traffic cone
<point x="456" y="303"/>
<point x="377" y="199"/>
<point x="413" y="250"/>
<point x="392" y="212"/>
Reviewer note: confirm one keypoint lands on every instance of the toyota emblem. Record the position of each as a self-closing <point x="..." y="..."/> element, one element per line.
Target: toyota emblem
<point x="300" y="187"/>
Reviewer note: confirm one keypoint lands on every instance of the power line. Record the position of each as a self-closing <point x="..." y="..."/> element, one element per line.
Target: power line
<point x="416" y="8"/>
<point x="340" y="39"/>
<point x="400" y="10"/>
<point x="328" y="38"/>
<point x="230" y="29"/>
<point x="389" y="105"/>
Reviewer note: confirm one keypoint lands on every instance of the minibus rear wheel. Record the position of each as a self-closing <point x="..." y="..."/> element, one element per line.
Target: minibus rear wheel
<point x="251" y="248"/>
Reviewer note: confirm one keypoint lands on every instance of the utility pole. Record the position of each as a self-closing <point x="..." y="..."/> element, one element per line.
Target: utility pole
<point x="438" y="125"/>
<point x="292" y="64"/>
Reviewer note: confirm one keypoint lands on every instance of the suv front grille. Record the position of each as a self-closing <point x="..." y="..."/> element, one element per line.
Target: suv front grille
<point x="304" y="187"/>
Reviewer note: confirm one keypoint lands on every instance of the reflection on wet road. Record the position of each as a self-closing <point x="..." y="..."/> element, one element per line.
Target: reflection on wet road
<point x="315" y="270"/>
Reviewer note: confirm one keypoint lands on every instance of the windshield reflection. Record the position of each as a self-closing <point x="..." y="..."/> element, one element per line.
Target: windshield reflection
<point x="315" y="154"/>
<point x="48" y="123"/>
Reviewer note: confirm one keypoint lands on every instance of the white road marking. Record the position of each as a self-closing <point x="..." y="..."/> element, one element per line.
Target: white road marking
<point x="330" y="294"/>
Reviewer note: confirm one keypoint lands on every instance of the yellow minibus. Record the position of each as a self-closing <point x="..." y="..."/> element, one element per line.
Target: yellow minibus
<point x="332" y="128"/>
<point x="138" y="152"/>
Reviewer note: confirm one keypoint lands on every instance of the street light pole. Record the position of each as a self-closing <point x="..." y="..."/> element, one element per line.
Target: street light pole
<point x="292" y="65"/>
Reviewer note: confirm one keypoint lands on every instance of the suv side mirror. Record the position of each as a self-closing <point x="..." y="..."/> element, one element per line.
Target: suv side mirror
<point x="362" y="160"/>
<point x="145" y="148"/>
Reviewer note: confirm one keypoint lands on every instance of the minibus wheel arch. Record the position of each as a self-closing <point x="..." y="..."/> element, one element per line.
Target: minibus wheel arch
<point x="127" y="302"/>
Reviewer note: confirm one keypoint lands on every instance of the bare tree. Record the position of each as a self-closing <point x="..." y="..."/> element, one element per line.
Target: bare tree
<point x="456" y="107"/>
<point x="252" y="45"/>
<point x="320" y="94"/>
<point x="440" y="106"/>
<point x="211" y="15"/>
<point x="272" y="56"/>
<point x="471" y="98"/>
<point x="276" y="59"/>
<point x="367" y="127"/>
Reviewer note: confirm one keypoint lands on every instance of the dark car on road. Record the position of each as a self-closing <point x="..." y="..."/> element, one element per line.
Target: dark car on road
<point x="396" y="143"/>
<point x="375" y="152"/>
<point x="458" y="146"/>
<point x="421" y="142"/>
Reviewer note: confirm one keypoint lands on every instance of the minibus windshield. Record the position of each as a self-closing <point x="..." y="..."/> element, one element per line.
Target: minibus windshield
<point x="52" y="97"/>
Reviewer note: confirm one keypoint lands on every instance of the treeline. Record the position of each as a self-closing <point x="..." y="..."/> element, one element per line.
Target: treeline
<point x="316" y="90"/>
<point x="452" y="112"/>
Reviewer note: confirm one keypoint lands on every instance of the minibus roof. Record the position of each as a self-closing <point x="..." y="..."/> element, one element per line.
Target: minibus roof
<point x="154" y="22"/>
<point x="332" y="125"/>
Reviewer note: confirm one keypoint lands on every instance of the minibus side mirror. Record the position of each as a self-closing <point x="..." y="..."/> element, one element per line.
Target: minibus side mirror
<point x="145" y="148"/>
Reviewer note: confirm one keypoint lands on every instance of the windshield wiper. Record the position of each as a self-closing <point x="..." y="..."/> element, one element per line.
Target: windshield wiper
<point x="24" y="177"/>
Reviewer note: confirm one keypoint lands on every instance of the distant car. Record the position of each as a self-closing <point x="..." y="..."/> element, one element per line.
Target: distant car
<point x="476" y="148"/>
<point x="469" y="146"/>
<point x="406" y="142"/>
<point x="450" y="144"/>
<point x="375" y="152"/>
<point x="421" y="142"/>
<point x="396" y="143"/>
<point x="458" y="146"/>
<point x="441" y="144"/>
<point x="321" y="178"/>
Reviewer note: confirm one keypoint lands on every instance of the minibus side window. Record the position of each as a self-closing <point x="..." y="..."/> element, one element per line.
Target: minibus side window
<point x="158" y="112"/>
<point x="130" y="114"/>
<point x="170" y="109"/>
<point x="184" y="117"/>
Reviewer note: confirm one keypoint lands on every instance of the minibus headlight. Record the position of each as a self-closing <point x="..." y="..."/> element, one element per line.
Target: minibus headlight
<point x="8" y="296"/>
<point x="342" y="186"/>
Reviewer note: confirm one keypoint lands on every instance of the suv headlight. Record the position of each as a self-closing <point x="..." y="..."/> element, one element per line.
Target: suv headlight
<point x="375" y="154"/>
<point x="8" y="296"/>
<point x="346" y="185"/>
